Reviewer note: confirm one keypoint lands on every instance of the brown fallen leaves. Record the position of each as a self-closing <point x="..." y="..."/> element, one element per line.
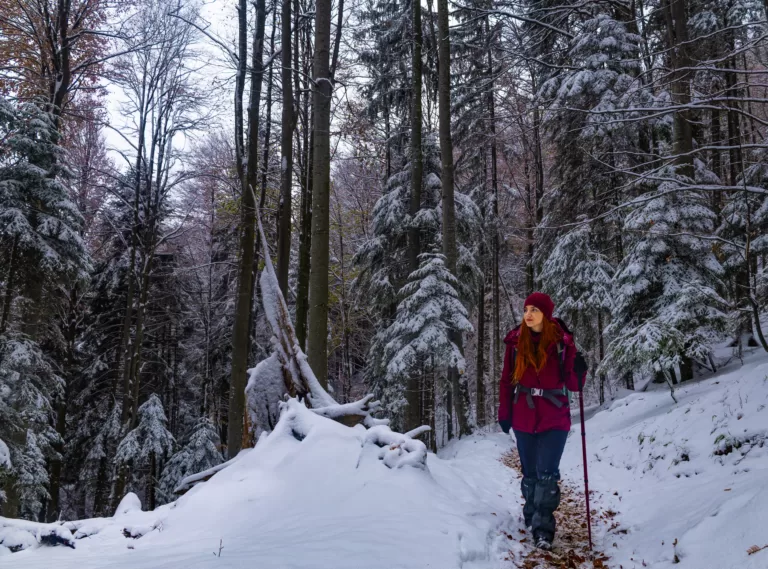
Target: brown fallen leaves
<point x="754" y="549"/>
<point x="572" y="543"/>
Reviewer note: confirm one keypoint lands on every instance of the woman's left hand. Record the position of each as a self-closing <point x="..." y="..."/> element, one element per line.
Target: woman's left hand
<point x="580" y="365"/>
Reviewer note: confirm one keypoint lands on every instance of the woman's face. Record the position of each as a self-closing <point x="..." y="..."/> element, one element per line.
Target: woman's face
<point x="534" y="318"/>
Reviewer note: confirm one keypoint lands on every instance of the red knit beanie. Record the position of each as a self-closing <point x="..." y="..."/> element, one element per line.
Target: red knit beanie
<point x="542" y="302"/>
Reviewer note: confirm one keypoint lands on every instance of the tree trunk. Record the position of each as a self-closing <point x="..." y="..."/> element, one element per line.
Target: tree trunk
<point x="305" y="243"/>
<point x="733" y="115"/>
<point x="496" y="326"/>
<point x="268" y="112"/>
<point x="61" y="408"/>
<point x="681" y="86"/>
<point x="715" y="140"/>
<point x="686" y="369"/>
<point x="412" y="415"/>
<point x="458" y="384"/>
<point x="430" y="410"/>
<point x="286" y="149"/>
<point x="318" y="274"/>
<point x="243" y="306"/>
<point x="302" y="288"/>
<point x="480" y="405"/>
<point x="151" y="482"/>
<point x="9" y="284"/>
<point x="305" y="238"/>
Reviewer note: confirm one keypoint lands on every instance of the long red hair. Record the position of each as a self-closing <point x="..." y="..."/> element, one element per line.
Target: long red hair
<point x="528" y="354"/>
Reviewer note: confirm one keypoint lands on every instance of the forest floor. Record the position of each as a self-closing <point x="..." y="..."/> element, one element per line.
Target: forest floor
<point x="571" y="547"/>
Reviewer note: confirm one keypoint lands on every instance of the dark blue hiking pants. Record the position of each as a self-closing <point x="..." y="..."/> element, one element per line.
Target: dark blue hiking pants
<point x="540" y="455"/>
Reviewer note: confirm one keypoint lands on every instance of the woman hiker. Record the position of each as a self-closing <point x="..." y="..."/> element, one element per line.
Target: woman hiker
<point x="540" y="364"/>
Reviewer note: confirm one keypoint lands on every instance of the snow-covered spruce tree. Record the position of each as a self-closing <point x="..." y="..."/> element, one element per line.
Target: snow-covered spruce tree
<point x="144" y="448"/>
<point x="576" y="275"/>
<point x="28" y="384"/>
<point x="744" y="229"/>
<point x="31" y="477"/>
<point x="596" y="144"/>
<point x="90" y="452"/>
<point x="667" y="310"/>
<point x="200" y="451"/>
<point x="418" y="338"/>
<point x="579" y="278"/>
<point x="722" y="30"/>
<point x="42" y="249"/>
<point x="39" y="223"/>
<point x="383" y="260"/>
<point x="386" y="34"/>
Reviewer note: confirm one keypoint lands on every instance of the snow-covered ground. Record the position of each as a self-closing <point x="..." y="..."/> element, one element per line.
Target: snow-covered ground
<point x="693" y="473"/>
<point x="326" y="502"/>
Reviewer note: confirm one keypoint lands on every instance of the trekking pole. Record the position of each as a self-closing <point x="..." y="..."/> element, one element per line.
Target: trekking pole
<point x="584" y="454"/>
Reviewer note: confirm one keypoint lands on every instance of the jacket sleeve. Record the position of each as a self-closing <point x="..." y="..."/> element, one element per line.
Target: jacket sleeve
<point x="505" y="387"/>
<point x="571" y="379"/>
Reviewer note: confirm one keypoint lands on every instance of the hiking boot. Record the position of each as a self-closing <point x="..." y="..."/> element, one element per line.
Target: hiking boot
<point x="546" y="501"/>
<point x="544" y="543"/>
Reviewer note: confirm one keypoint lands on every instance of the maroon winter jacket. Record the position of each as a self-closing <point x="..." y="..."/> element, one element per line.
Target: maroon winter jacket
<point x="545" y="416"/>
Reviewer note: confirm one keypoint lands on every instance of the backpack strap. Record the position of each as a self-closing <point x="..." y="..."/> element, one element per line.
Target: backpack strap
<point x="561" y="360"/>
<point x="512" y="372"/>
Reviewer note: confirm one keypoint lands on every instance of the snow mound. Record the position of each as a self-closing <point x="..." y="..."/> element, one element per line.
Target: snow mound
<point x="316" y="494"/>
<point x="130" y="503"/>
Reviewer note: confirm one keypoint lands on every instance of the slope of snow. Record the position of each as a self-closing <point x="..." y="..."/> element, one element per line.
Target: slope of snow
<point x="325" y="502"/>
<point x="695" y="472"/>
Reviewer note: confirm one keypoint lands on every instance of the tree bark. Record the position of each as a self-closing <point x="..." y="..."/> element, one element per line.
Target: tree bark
<point x="151" y="482"/>
<point x="681" y="86"/>
<point x="243" y="306"/>
<point x="496" y="325"/>
<point x="268" y="112"/>
<point x="305" y="239"/>
<point x="318" y="274"/>
<point x="480" y="405"/>
<point x="286" y="150"/>
<point x="412" y="392"/>
<point x="61" y="408"/>
<point x="458" y="384"/>
<point x="9" y="284"/>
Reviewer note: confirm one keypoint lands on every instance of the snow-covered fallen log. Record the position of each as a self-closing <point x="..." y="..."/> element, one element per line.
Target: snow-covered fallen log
<point x="350" y="414"/>
<point x="17" y="535"/>
<point x="129" y="519"/>
<point x="287" y="372"/>
<point x="187" y="483"/>
<point x="396" y="450"/>
<point x="285" y="379"/>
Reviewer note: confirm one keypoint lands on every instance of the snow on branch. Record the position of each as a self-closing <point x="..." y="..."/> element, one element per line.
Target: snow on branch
<point x="397" y="450"/>
<point x="5" y="455"/>
<point x="187" y="483"/>
<point x="17" y="535"/>
<point x="351" y="413"/>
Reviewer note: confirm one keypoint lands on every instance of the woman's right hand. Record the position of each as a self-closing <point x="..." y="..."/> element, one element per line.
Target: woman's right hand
<point x="505" y="425"/>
